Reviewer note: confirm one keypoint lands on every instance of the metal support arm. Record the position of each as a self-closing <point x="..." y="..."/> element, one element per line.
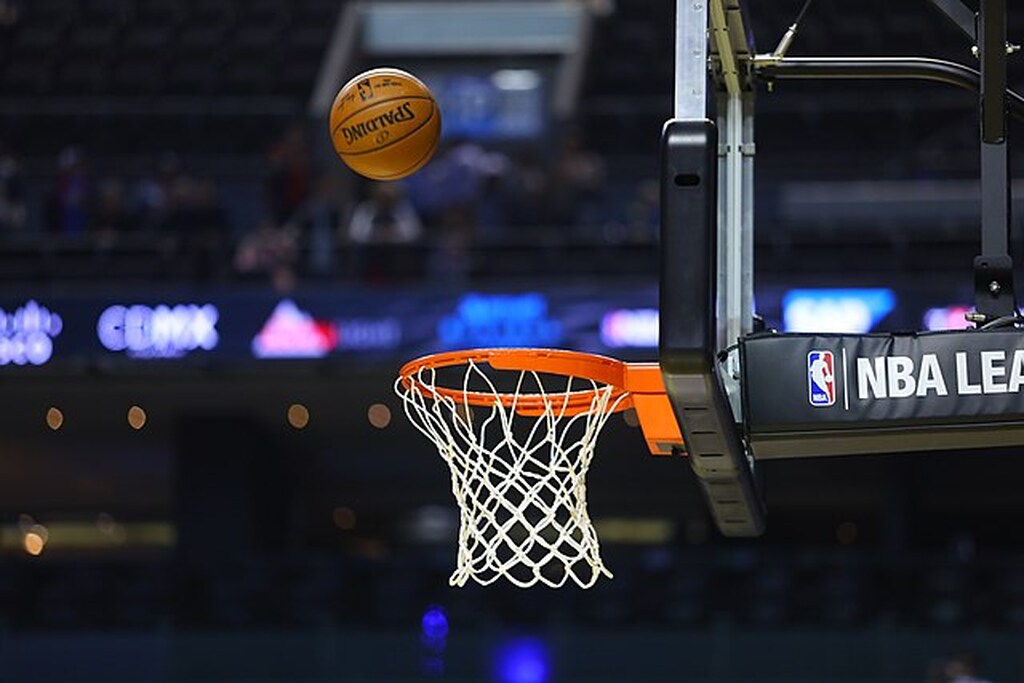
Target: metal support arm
<point x="874" y="68"/>
<point x="961" y="15"/>
<point x="993" y="269"/>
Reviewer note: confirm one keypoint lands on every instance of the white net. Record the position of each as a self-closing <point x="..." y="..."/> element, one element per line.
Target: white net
<point x="519" y="480"/>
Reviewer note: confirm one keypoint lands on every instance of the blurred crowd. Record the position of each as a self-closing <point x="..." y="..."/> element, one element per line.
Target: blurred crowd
<point x="169" y="209"/>
<point x="12" y="193"/>
<point x="322" y="219"/>
<point x="318" y="219"/>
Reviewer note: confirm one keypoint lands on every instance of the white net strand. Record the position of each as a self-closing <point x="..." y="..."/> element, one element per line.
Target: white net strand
<point x="519" y="481"/>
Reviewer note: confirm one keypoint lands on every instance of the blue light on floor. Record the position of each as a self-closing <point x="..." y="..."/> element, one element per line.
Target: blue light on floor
<point x="522" y="661"/>
<point x="434" y="623"/>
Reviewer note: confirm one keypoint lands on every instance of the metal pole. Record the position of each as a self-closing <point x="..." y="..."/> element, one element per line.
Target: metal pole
<point x="960" y="15"/>
<point x="691" y="59"/>
<point x="995" y="207"/>
<point x="730" y="225"/>
<point x="747" y="219"/>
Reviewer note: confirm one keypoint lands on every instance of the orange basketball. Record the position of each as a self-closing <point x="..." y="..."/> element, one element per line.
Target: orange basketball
<point x="385" y="124"/>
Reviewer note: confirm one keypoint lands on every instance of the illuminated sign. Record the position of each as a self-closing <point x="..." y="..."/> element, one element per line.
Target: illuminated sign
<point x="368" y="334"/>
<point x="292" y="333"/>
<point x="947" y="318"/>
<point x="630" y="327"/>
<point x="500" y="320"/>
<point x="26" y="334"/>
<point x="158" y="331"/>
<point x="851" y="311"/>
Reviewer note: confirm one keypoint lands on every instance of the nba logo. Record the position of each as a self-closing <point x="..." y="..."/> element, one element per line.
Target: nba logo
<point x="821" y="383"/>
<point x="365" y="89"/>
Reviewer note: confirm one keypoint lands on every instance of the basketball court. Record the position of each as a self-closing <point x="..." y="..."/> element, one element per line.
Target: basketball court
<point x="673" y="341"/>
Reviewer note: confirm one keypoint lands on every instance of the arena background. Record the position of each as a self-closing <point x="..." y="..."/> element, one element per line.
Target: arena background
<point x="204" y="474"/>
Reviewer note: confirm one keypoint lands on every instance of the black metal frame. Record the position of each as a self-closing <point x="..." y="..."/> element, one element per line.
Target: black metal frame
<point x="877" y="68"/>
<point x="994" y="292"/>
<point x="690" y="364"/>
<point x="960" y="15"/>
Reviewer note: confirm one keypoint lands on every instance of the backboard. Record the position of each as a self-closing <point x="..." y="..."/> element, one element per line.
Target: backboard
<point x="706" y="287"/>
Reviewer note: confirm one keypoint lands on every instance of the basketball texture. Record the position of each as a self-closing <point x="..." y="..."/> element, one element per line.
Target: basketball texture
<point x="385" y="124"/>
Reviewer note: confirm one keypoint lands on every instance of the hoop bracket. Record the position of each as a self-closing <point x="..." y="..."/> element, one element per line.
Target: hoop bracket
<point x="653" y="409"/>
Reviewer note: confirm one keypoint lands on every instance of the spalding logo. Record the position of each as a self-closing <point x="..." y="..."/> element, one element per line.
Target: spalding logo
<point x="396" y="115"/>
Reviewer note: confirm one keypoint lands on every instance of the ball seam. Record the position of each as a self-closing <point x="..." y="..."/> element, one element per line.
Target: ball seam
<point x="414" y="167"/>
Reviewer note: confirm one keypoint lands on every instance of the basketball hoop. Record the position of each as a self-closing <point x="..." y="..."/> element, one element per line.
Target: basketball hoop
<point x="517" y="428"/>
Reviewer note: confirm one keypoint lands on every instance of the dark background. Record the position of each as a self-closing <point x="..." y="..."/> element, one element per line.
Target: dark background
<point x="166" y="152"/>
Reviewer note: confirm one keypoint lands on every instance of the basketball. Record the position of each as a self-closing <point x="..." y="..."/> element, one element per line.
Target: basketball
<point x="385" y="124"/>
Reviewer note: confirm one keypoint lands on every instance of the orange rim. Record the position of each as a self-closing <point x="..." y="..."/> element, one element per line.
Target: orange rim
<point x="601" y="369"/>
<point x="633" y="385"/>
